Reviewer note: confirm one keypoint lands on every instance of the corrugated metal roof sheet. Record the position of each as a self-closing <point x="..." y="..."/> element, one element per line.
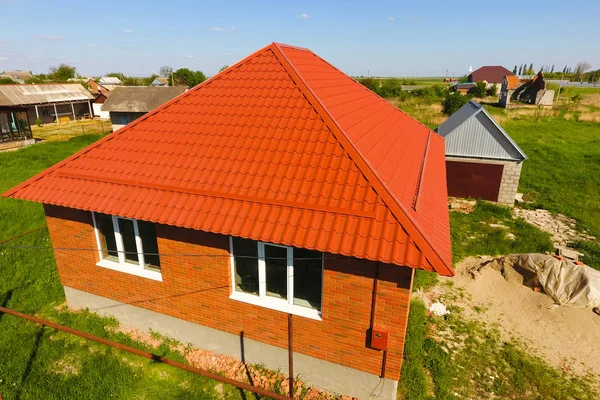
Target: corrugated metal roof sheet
<point x="110" y="80"/>
<point x="42" y="94"/>
<point x="281" y="147"/>
<point x="472" y="132"/>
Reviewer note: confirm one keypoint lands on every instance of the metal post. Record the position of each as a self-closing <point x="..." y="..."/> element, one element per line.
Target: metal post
<point x="37" y="114"/>
<point x="55" y="113"/>
<point x="91" y="110"/>
<point x="290" y="356"/>
<point x="73" y="110"/>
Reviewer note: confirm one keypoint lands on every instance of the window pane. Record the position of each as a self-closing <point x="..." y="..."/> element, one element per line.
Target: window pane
<point x="245" y="254"/>
<point x="147" y="232"/>
<point x="276" y="270"/>
<point x="108" y="245"/>
<point x="308" y="277"/>
<point x="128" y="234"/>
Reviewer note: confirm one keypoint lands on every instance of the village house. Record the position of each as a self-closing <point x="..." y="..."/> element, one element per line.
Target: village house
<point x="531" y="91"/>
<point x="98" y="103"/>
<point x="490" y="74"/>
<point x="279" y="188"/>
<point x="128" y="103"/>
<point x="110" y="82"/>
<point x="95" y="87"/>
<point x="17" y="76"/>
<point x="49" y="102"/>
<point x="160" y="81"/>
<point x="482" y="161"/>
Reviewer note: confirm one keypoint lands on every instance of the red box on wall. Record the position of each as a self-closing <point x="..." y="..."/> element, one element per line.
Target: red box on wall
<point x="379" y="338"/>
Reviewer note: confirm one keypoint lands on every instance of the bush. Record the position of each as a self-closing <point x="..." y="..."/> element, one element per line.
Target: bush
<point x="38" y="121"/>
<point x="576" y="98"/>
<point x="492" y="91"/>
<point x="369" y="83"/>
<point x="390" y="88"/>
<point x="478" y="90"/>
<point x="453" y="102"/>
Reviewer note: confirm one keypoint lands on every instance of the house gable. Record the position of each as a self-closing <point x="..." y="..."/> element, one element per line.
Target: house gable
<point x="262" y="151"/>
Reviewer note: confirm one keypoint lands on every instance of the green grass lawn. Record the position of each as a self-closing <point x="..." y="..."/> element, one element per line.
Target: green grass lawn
<point x="562" y="173"/>
<point x="41" y="363"/>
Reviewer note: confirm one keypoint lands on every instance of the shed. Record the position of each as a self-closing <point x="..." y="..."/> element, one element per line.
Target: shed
<point x="482" y="161"/>
<point x="259" y="197"/>
<point x="127" y="103"/>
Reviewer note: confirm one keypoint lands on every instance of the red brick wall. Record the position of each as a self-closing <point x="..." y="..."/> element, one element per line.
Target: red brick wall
<point x="197" y="289"/>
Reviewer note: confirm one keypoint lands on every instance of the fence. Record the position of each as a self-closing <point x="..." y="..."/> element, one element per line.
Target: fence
<point x="66" y="130"/>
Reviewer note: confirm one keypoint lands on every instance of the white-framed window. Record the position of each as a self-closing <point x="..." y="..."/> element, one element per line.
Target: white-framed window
<point x="127" y="245"/>
<point x="283" y="278"/>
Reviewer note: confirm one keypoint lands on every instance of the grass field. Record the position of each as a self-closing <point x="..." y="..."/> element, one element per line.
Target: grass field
<point x="67" y="130"/>
<point x="41" y="363"/>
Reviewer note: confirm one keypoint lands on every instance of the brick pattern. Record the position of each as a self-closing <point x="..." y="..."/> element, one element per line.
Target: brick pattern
<point x="510" y="177"/>
<point x="197" y="289"/>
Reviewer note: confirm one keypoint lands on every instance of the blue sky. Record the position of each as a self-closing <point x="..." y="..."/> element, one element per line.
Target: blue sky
<point x="385" y="38"/>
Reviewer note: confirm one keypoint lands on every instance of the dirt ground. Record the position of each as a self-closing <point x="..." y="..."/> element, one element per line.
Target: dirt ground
<point x="566" y="337"/>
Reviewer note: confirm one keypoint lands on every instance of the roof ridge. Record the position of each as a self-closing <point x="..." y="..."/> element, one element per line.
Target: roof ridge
<point x="401" y="213"/>
<point x="119" y="131"/>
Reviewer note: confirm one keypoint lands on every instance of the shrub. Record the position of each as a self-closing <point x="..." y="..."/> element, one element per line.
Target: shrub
<point x="38" y="121"/>
<point x="369" y="83"/>
<point x="453" y="102"/>
<point x="478" y="90"/>
<point x="576" y="98"/>
<point x="390" y="88"/>
<point x="492" y="91"/>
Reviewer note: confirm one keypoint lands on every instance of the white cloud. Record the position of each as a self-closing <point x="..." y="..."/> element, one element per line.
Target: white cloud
<point x="220" y="29"/>
<point x="91" y="45"/>
<point x="3" y="58"/>
<point x="391" y="19"/>
<point x="304" y="16"/>
<point x="128" y="31"/>
<point x="51" y="37"/>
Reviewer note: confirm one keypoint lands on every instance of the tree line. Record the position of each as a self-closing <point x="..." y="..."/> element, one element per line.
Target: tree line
<point x="581" y="72"/>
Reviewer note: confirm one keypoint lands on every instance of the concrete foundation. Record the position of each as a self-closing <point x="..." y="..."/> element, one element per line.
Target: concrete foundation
<point x="323" y="374"/>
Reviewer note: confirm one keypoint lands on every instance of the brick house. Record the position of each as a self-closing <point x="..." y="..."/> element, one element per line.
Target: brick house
<point x="482" y="160"/>
<point x="279" y="186"/>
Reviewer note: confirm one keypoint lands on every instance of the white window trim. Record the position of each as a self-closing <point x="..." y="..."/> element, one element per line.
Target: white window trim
<point x="122" y="265"/>
<point x="262" y="300"/>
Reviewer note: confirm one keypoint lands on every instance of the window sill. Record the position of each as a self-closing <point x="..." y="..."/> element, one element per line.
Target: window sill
<point x="278" y="305"/>
<point x="130" y="269"/>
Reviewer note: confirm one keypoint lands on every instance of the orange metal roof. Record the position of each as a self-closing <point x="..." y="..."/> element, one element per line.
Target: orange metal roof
<point x="513" y="81"/>
<point x="280" y="147"/>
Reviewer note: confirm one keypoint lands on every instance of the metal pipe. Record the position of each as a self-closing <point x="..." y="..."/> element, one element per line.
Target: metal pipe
<point x="290" y="356"/>
<point x="145" y="354"/>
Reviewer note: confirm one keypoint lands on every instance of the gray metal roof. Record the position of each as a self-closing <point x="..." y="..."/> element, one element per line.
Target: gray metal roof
<point x="472" y="132"/>
<point x="110" y="80"/>
<point x="14" y="95"/>
<point x="140" y="98"/>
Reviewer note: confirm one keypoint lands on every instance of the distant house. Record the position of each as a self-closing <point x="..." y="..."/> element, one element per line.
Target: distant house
<point x="110" y="82"/>
<point x="531" y="91"/>
<point x="95" y="87"/>
<point x="482" y="161"/>
<point x="17" y="76"/>
<point x="463" y="87"/>
<point x="49" y="103"/>
<point x="98" y="103"/>
<point x="490" y="74"/>
<point x="160" y="81"/>
<point x="14" y="128"/>
<point x="128" y="103"/>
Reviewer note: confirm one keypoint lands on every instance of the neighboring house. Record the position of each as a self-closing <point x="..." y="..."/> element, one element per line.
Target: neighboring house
<point x="482" y="161"/>
<point x="279" y="187"/>
<point x="95" y="87"/>
<point x="160" y="81"/>
<point x="527" y="92"/>
<point x="128" y="103"/>
<point x="17" y="76"/>
<point x="463" y="87"/>
<point x="491" y="74"/>
<point x="97" y="105"/>
<point x="110" y="82"/>
<point x="49" y="103"/>
<point x="14" y="128"/>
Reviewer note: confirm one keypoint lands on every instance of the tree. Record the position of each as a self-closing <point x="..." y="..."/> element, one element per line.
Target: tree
<point x="186" y="77"/>
<point x="515" y="70"/>
<point x="530" y="71"/>
<point x="369" y="83"/>
<point x="520" y="69"/>
<point x="453" y="102"/>
<point x="390" y="88"/>
<point x="478" y="90"/>
<point x="552" y="70"/>
<point x="150" y="79"/>
<point x="492" y="90"/>
<point x="36" y="79"/>
<point x="165" y="71"/>
<point x="580" y="69"/>
<point x="6" y="81"/>
<point x="62" y="73"/>
<point x="224" y="67"/>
